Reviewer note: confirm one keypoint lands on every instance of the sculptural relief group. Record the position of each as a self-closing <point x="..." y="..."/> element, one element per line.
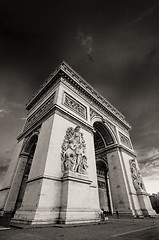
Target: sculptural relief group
<point x="73" y="154"/>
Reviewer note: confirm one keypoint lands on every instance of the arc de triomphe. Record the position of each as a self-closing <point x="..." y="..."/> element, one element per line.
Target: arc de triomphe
<point x="73" y="158"/>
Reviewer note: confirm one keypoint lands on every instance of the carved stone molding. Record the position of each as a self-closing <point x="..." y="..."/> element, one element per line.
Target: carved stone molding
<point x="101" y="185"/>
<point x="110" y="125"/>
<point x="39" y="113"/>
<point x="74" y="105"/>
<point x="27" y="142"/>
<point x="101" y="172"/>
<point x="73" y="154"/>
<point x="93" y="114"/>
<point x="125" y="140"/>
<point x="102" y="165"/>
<point x="86" y="86"/>
<point x="136" y="176"/>
<point x="102" y="108"/>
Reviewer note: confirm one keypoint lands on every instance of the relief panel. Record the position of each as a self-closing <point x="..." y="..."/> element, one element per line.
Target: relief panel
<point x="125" y="140"/>
<point x="73" y="154"/>
<point x="74" y="105"/>
<point x="39" y="113"/>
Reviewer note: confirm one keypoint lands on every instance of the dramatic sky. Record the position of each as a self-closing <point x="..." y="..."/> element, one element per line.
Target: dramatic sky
<point x="114" y="45"/>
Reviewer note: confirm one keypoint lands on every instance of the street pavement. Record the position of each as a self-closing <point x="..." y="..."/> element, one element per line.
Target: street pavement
<point x="120" y="229"/>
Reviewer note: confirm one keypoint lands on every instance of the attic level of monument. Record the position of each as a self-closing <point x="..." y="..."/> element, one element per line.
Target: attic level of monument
<point x="68" y="76"/>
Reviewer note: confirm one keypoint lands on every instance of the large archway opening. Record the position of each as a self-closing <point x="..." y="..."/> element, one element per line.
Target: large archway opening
<point x="28" y="154"/>
<point x="102" y="140"/>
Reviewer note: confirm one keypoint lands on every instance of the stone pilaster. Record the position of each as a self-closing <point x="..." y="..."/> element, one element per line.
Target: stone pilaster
<point x="75" y="200"/>
<point x="120" y="195"/>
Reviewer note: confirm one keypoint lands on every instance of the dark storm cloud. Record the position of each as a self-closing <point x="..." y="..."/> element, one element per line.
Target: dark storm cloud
<point x="149" y="165"/>
<point x="151" y="54"/>
<point x="4" y="163"/>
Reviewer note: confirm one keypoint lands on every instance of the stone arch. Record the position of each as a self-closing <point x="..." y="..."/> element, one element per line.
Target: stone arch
<point x="102" y="167"/>
<point x="103" y="136"/>
<point x="26" y="158"/>
<point x="103" y="124"/>
<point x="103" y="139"/>
<point x="29" y="143"/>
<point x="103" y="185"/>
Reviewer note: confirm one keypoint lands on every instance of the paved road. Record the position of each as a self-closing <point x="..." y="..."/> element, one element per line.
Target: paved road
<point x="113" y="229"/>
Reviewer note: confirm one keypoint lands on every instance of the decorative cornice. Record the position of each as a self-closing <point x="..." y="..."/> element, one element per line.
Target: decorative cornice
<point x="128" y="151"/>
<point x="66" y="72"/>
<point x="4" y="189"/>
<point x="44" y="177"/>
<point x="115" y="147"/>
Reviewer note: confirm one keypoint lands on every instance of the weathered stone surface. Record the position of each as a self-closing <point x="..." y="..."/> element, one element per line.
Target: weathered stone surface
<point x="74" y="156"/>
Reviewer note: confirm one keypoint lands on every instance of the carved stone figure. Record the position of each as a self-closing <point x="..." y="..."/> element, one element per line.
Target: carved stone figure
<point x="73" y="151"/>
<point x="136" y="176"/>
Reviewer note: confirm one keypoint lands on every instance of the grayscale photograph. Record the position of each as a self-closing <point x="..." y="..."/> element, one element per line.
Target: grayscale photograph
<point x="79" y="120"/>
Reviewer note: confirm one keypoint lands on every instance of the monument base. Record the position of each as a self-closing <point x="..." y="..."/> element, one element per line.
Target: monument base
<point x="145" y="203"/>
<point x="39" y="216"/>
<point x="76" y="206"/>
<point x="5" y="219"/>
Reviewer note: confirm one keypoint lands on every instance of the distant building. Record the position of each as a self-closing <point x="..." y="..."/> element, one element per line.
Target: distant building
<point x="74" y="157"/>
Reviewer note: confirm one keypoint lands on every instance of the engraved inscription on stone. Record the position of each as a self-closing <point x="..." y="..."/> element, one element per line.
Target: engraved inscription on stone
<point x="125" y="140"/>
<point x="74" y="105"/>
<point x="73" y="151"/>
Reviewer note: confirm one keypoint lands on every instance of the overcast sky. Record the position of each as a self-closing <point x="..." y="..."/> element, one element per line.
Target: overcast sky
<point x="114" y="45"/>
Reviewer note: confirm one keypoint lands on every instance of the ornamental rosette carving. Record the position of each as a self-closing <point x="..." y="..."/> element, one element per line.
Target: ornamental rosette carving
<point x="73" y="155"/>
<point x="136" y="176"/>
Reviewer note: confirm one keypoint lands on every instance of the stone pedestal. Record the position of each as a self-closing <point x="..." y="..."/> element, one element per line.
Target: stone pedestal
<point x="145" y="204"/>
<point x="75" y="200"/>
<point x="120" y="195"/>
<point x="41" y="204"/>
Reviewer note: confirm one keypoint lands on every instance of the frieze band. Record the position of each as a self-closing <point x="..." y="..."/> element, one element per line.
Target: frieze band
<point x="74" y="105"/>
<point x="40" y="112"/>
<point x="91" y="90"/>
<point x="125" y="140"/>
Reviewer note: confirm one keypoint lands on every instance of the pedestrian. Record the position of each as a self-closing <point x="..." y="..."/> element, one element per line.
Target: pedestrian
<point x="106" y="215"/>
<point x="102" y="215"/>
<point x="117" y="214"/>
